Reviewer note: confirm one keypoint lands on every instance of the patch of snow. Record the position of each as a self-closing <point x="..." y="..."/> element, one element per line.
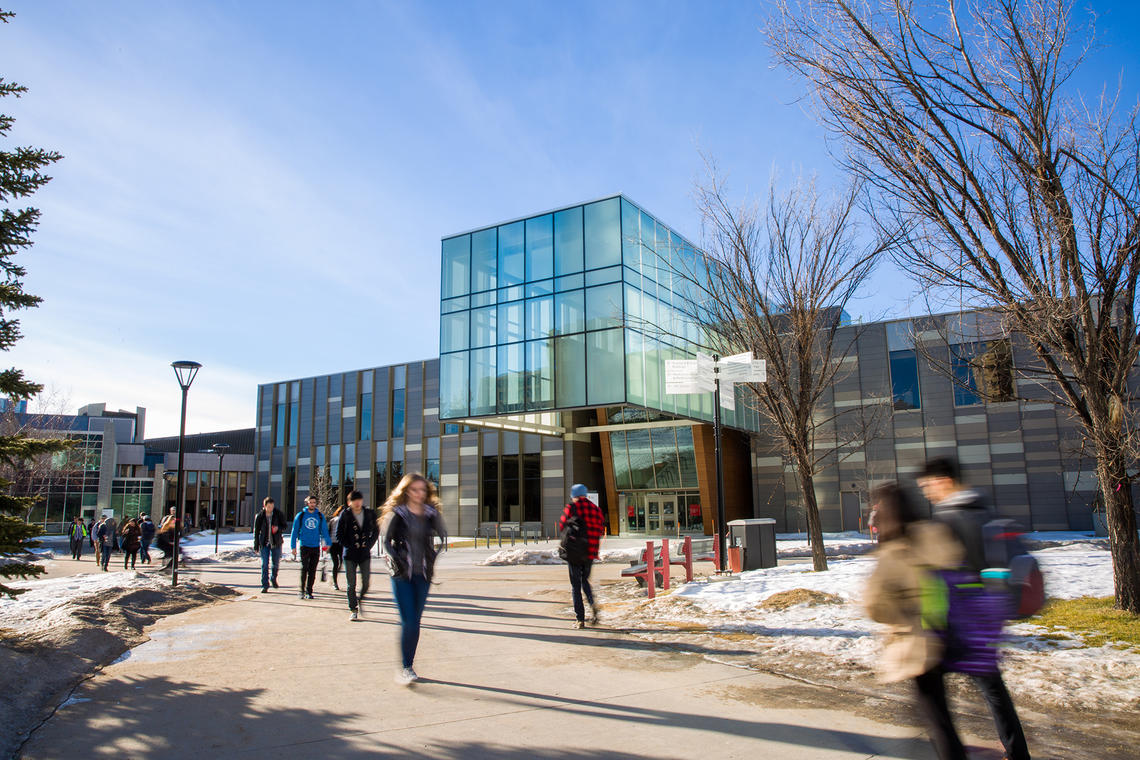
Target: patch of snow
<point x="201" y="545"/>
<point x="73" y="701"/>
<point x="181" y="643"/>
<point x="44" y="601"/>
<point x="522" y="555"/>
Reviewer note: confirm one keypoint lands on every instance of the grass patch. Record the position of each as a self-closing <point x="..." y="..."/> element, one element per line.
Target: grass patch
<point x="1093" y="619"/>
<point x="784" y="599"/>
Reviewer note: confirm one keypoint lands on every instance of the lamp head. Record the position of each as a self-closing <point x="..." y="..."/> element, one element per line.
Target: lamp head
<point x="220" y="448"/>
<point x="185" y="372"/>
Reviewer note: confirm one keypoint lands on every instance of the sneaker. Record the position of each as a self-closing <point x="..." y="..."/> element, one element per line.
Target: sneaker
<point x="355" y="616"/>
<point x="579" y="624"/>
<point x="593" y="614"/>
<point x="302" y="595"/>
<point x="309" y="595"/>
<point x="406" y="676"/>
<point x="265" y="589"/>
<point x="274" y="583"/>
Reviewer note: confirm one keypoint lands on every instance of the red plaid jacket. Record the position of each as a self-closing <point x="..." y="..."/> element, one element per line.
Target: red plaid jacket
<point x="591" y="515"/>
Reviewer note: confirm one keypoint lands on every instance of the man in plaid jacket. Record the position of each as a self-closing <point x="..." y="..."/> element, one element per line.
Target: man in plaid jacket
<point x="595" y="522"/>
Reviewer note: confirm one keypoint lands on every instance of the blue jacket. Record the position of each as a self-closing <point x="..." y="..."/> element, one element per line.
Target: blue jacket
<point x="311" y="528"/>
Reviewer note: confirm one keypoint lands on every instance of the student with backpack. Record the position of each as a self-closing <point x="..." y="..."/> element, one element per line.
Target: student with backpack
<point x="966" y="513"/>
<point x="77" y="535"/>
<point x="312" y="529"/>
<point x="581" y="527"/>
<point x="899" y="594"/>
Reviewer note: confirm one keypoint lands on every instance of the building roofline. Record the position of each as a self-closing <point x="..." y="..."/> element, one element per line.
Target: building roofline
<point x="434" y="358"/>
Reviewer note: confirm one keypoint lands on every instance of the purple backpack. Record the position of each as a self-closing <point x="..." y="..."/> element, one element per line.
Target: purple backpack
<point x="975" y="617"/>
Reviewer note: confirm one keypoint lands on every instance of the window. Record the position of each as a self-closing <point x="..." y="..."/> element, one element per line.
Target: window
<point x="539" y="317"/>
<point x="365" y="417"/>
<point x="532" y="487"/>
<point x="569" y="312"/>
<point x="539" y="248"/>
<point x="687" y="457"/>
<point x="982" y="371"/>
<point x="489" y="500"/>
<point x="397" y="418"/>
<point x="510" y="322"/>
<point x="282" y="423"/>
<point x="453" y="331"/>
<point x="294" y="422"/>
<point x="431" y="471"/>
<point x="456" y="266"/>
<point x="484" y="246"/>
<point x="570" y="369"/>
<point x="483" y="326"/>
<point x="483" y="381"/>
<point x="453" y="385"/>
<point x="603" y="306"/>
<point x="568" y="241"/>
<point x="511" y="378"/>
<point x="603" y="234"/>
<point x="511" y="254"/>
<point x="605" y="361"/>
<point x="904" y="380"/>
<point x="539" y="375"/>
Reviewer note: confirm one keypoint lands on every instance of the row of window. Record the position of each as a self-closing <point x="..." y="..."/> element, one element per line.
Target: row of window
<point x="356" y="426"/>
<point x="983" y="371"/>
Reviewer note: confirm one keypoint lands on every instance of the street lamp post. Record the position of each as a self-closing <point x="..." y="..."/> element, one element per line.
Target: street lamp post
<point x="185" y="372"/>
<point x="220" y="502"/>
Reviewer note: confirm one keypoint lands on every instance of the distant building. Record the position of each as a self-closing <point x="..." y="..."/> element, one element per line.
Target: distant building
<point x="112" y="468"/>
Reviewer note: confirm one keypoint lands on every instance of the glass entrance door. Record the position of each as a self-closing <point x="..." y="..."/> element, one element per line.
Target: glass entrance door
<point x="661" y="513"/>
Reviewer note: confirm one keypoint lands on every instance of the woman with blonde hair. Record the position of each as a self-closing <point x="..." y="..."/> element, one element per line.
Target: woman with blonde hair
<point x="410" y="520"/>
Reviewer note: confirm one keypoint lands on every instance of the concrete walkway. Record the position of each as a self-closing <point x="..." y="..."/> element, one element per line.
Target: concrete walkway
<point x="504" y="677"/>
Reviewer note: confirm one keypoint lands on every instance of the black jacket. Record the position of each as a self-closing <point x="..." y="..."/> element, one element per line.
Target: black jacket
<point x="261" y="529"/>
<point x="356" y="540"/>
<point x="148" y="529"/>
<point x="965" y="513"/>
<point x="396" y="543"/>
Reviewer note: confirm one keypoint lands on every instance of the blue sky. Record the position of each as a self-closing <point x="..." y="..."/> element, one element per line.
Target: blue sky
<point x="262" y="186"/>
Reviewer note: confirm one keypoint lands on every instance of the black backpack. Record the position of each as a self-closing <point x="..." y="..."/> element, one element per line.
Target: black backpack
<point x="574" y="541"/>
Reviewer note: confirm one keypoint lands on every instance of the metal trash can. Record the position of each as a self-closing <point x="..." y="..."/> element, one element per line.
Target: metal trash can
<point x="757" y="541"/>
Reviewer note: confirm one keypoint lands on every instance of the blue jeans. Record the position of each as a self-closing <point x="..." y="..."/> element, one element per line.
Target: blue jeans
<point x="266" y="553"/>
<point x="144" y="551"/>
<point x="411" y="596"/>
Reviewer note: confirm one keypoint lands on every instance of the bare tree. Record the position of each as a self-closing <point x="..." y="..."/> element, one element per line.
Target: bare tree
<point x="33" y="477"/>
<point x="1013" y="193"/>
<point x="322" y="489"/>
<point x="776" y="283"/>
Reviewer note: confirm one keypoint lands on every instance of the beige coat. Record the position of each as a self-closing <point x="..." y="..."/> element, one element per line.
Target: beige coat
<point x="894" y="597"/>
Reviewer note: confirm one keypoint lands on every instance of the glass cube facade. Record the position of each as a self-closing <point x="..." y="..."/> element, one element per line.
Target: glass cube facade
<point x="573" y="308"/>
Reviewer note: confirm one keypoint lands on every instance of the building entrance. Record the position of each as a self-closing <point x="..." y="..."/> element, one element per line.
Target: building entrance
<point x="660" y="513"/>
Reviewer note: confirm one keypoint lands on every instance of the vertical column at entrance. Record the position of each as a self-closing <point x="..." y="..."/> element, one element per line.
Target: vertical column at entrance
<point x="737" y="475"/>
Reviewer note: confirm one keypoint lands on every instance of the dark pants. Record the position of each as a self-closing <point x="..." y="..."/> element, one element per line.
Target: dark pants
<point x="1005" y="715"/>
<point x="77" y="548"/>
<point x="267" y="554"/>
<point x="310" y="556"/>
<point x="336" y="554"/>
<point x="129" y="557"/>
<point x="105" y="555"/>
<point x="579" y="584"/>
<point x="411" y="596"/>
<point x="350" y="569"/>
<point x="144" y="551"/>
<point x="167" y="547"/>
<point x="932" y="702"/>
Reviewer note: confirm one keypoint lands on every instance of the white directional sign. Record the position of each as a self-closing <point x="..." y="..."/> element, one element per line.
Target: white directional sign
<point x="689" y="375"/>
<point x="698" y="375"/>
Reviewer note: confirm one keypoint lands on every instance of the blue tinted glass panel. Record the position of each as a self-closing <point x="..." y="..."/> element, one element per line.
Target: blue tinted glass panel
<point x="455" y="304"/>
<point x="511" y="375"/>
<point x="635" y="366"/>
<point x="512" y="259"/>
<point x="541" y="288"/>
<point x="904" y="379"/>
<point x="456" y="268"/>
<point x="484" y="252"/>
<point x="539" y="374"/>
<point x="510" y="327"/>
<point x="654" y="373"/>
<point x="483" y="326"/>
<point x="483" y="299"/>
<point x="631" y="235"/>
<point x="621" y="460"/>
<point x="400" y="376"/>
<point x="965" y="375"/>
<point x="665" y="463"/>
<point x="603" y="234"/>
<point x="687" y="457"/>
<point x="365" y="432"/>
<point x="539" y="248"/>
<point x="648" y="247"/>
<point x="603" y="306"/>
<point x="605" y="368"/>
<point x="513" y="293"/>
<point x="453" y="330"/>
<point x="484" y="381"/>
<point x="568" y="241"/>
<point x="602" y="276"/>
<point x="640" y="459"/>
<point x="570" y="312"/>
<point x="540" y="317"/>
<point x="398" y="407"/>
<point x="570" y="370"/>
<point x="573" y="282"/>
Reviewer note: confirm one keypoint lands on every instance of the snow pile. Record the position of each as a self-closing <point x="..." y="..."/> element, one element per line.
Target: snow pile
<point x="1061" y="671"/>
<point x="521" y="555"/>
<point x="231" y="546"/>
<point x="49" y="602"/>
<point x="849" y="543"/>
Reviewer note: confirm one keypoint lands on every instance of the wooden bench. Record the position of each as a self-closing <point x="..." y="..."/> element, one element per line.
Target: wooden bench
<point x="646" y="569"/>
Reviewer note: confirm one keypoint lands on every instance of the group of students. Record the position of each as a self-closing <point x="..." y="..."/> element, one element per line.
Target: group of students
<point x="105" y="536"/>
<point x="408" y="524"/>
<point x="907" y="591"/>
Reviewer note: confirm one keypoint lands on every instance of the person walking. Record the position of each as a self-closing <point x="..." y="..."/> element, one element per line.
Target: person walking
<point x="104" y="535"/>
<point x="590" y="519"/>
<point x="268" y="538"/>
<point x="131" y="543"/>
<point x="77" y="536"/>
<point x="146" y="536"/>
<point x="356" y="534"/>
<point x="911" y="551"/>
<point x="164" y="539"/>
<point x="965" y="511"/>
<point x="410" y="520"/>
<point x="336" y="550"/>
<point x="311" y="529"/>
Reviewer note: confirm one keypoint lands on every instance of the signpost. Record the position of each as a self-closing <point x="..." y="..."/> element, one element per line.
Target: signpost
<point x="716" y="375"/>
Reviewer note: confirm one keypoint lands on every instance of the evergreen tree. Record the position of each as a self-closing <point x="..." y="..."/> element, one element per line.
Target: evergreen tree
<point x="21" y="174"/>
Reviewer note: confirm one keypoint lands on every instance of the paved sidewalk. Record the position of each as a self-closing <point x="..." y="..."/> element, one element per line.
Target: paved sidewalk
<point x="504" y="677"/>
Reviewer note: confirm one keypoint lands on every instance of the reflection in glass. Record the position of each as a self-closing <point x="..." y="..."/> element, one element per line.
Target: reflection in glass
<point x="621" y="460"/>
<point x="539" y="375"/>
<point x="539" y="248"/>
<point x="511" y="377"/>
<point x="483" y="326"/>
<point x="904" y="379"/>
<point x="453" y="385"/>
<point x="570" y="370"/>
<point x="483" y="381"/>
<point x="453" y="331"/>
<point x="603" y="306"/>
<point x="484" y="247"/>
<point x="605" y="380"/>
<point x="687" y="458"/>
<point x="568" y="241"/>
<point x="539" y="317"/>
<point x="665" y="457"/>
<point x="641" y="468"/>
<point x="512" y="259"/>
<point x="569" y="312"/>
<point x="603" y="234"/>
<point x="510" y="326"/>
<point x="456" y="266"/>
